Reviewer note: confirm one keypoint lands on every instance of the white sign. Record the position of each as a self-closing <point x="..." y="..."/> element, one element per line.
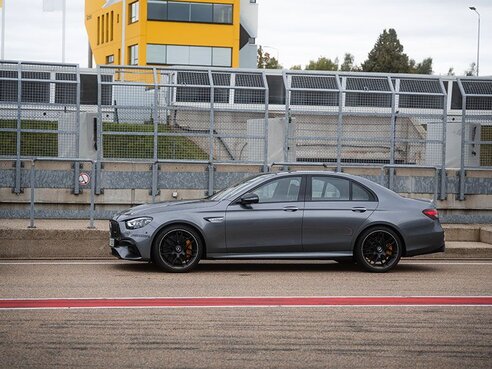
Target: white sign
<point x="84" y="179"/>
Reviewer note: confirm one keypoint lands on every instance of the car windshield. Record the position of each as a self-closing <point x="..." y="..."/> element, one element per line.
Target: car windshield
<point x="237" y="189"/>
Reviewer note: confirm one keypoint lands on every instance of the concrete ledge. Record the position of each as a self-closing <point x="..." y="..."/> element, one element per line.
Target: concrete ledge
<point x="462" y="232"/>
<point x="462" y="250"/>
<point x="486" y="234"/>
<point x="66" y="239"/>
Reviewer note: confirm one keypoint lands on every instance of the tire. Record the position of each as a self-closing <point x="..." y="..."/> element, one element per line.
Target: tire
<point x="177" y="249"/>
<point x="378" y="249"/>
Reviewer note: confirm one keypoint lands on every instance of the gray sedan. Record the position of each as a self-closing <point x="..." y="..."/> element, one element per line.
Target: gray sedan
<point x="287" y="215"/>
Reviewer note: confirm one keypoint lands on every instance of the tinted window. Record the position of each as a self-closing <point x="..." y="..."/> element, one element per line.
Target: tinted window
<point x="330" y="189"/>
<point x="359" y="193"/>
<point x="202" y="13"/>
<point x="222" y="13"/>
<point x="157" y="10"/>
<point x="279" y="190"/>
<point x="178" y="12"/>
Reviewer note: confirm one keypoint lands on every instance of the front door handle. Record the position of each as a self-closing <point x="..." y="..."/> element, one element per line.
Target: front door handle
<point x="291" y="208"/>
<point x="359" y="209"/>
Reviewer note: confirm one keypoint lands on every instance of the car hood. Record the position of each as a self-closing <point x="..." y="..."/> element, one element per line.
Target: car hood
<point x="149" y="209"/>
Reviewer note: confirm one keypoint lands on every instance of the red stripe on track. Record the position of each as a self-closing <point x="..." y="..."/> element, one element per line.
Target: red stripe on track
<point x="239" y="301"/>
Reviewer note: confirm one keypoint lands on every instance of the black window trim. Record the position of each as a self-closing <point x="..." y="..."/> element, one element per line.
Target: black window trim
<point x="308" y="191"/>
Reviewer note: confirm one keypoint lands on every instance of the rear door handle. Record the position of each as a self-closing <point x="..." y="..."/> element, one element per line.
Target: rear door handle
<point x="359" y="209"/>
<point x="291" y="208"/>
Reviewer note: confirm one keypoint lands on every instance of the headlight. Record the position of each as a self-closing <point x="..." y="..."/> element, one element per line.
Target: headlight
<point x="137" y="222"/>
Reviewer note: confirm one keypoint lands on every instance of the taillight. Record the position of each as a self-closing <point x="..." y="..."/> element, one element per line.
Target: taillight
<point x="431" y="213"/>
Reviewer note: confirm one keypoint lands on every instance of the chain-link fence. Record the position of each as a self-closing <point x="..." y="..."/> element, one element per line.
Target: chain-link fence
<point x="476" y="128"/>
<point x="210" y="115"/>
<point x="39" y="115"/>
<point x="362" y="119"/>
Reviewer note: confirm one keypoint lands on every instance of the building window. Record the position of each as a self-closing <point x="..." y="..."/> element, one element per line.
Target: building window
<point x="222" y="57"/>
<point x="189" y="55"/>
<point x="156" y="54"/>
<point x="110" y="59"/>
<point x="222" y="13"/>
<point x="189" y="12"/>
<point x="178" y="11"/>
<point x="112" y="27"/>
<point x="133" y="55"/>
<point x="133" y="12"/>
<point x="98" y="30"/>
<point x="203" y="13"/>
<point x="157" y="10"/>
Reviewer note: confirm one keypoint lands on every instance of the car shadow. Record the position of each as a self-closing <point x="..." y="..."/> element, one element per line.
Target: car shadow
<point x="228" y="266"/>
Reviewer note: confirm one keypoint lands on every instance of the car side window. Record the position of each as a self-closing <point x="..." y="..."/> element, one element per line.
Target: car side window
<point x="279" y="190"/>
<point x="329" y="189"/>
<point x="359" y="193"/>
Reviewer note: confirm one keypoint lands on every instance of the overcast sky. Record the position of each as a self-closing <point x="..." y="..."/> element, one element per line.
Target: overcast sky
<point x="295" y="31"/>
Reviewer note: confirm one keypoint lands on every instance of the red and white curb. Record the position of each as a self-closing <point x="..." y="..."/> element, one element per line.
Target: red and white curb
<point x="217" y="302"/>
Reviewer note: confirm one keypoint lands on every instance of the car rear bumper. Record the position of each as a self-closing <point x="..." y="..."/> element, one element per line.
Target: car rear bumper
<point x="427" y="250"/>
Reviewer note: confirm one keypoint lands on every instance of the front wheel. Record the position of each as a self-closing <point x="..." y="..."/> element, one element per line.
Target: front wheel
<point x="378" y="249"/>
<point x="177" y="249"/>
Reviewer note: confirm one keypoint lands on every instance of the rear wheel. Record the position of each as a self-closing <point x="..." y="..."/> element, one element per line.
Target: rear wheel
<point x="378" y="249"/>
<point x="177" y="249"/>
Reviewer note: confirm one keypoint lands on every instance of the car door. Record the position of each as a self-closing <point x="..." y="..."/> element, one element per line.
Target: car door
<point x="335" y="209"/>
<point x="274" y="224"/>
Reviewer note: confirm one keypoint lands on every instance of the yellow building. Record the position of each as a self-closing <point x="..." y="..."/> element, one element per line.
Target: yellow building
<point x="218" y="33"/>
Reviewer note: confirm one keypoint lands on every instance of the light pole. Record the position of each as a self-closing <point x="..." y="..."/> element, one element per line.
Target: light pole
<point x="478" y="46"/>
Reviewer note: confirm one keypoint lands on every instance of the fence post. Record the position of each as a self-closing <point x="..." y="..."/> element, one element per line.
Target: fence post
<point x="31" y="208"/>
<point x="93" y="187"/>
<point x="155" y="118"/>
<point x="339" y="123"/>
<point x="210" y="168"/>
<point x="18" y="163"/>
<point x="461" y="195"/>
<point x="287" y="118"/>
<point x="444" y="181"/>
<point x="393" y="133"/>
<point x="265" y="127"/>
<point x="99" y="140"/>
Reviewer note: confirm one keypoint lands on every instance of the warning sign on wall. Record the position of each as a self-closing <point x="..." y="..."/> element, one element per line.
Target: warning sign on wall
<point x="84" y="179"/>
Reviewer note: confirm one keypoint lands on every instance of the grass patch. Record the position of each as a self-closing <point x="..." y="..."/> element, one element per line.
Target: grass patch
<point x="142" y="147"/>
<point x="114" y="146"/>
<point x="32" y="143"/>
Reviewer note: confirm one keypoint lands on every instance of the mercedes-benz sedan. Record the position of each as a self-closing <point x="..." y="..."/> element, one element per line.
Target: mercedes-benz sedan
<point x="287" y="215"/>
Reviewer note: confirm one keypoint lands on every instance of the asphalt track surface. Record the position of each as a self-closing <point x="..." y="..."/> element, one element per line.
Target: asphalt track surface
<point x="425" y="314"/>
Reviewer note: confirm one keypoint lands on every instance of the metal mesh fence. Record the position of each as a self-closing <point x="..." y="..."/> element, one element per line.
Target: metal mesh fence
<point x="39" y="115"/>
<point x="476" y="122"/>
<point x="357" y="119"/>
<point x="226" y="115"/>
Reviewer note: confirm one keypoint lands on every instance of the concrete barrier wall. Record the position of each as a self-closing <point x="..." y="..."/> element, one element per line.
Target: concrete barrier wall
<point x="124" y="185"/>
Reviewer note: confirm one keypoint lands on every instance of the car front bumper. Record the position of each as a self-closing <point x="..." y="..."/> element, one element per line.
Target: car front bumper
<point x="128" y="245"/>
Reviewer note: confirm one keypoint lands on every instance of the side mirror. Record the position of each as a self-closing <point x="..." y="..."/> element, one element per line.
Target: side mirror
<point x="249" y="198"/>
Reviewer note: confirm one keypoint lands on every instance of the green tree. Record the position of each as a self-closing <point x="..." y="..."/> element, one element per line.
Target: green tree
<point x="348" y="63"/>
<point x="425" y="67"/>
<point x="296" y="67"/>
<point x="451" y="71"/>
<point x="387" y="55"/>
<point x="322" y="64"/>
<point x="265" y="61"/>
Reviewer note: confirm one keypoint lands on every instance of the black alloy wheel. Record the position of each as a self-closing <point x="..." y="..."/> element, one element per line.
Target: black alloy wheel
<point x="378" y="249"/>
<point x="177" y="249"/>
